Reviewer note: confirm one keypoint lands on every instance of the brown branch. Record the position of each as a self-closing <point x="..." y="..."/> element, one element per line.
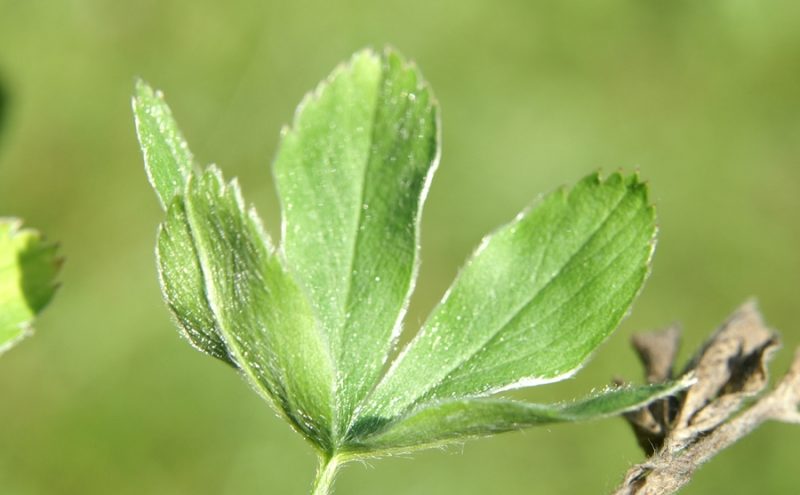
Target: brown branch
<point x="731" y="368"/>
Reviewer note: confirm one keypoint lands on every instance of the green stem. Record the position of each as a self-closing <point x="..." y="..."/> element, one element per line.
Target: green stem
<point x="323" y="484"/>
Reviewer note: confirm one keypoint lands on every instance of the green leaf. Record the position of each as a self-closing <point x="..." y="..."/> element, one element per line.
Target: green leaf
<point x="455" y="420"/>
<point x="352" y="173"/>
<point x="28" y="267"/>
<point x="183" y="286"/>
<point x="311" y="325"/>
<point x="241" y="309"/>
<point x="534" y="301"/>
<point x="169" y="163"/>
<point x="167" y="158"/>
<point x="260" y="313"/>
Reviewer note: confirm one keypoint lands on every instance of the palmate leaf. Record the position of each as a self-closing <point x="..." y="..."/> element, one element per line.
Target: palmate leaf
<point x="28" y="267"/>
<point x="311" y="324"/>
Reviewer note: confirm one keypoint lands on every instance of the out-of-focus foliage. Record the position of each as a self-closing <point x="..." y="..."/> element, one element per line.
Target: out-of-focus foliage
<point x="28" y="266"/>
<point x="3" y="106"/>
<point x="701" y="96"/>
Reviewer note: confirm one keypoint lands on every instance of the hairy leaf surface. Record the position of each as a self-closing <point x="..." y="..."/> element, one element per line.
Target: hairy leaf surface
<point x="310" y="324"/>
<point x="457" y="419"/>
<point x="352" y="173"/>
<point x="183" y="285"/>
<point x="537" y="297"/>
<point x="169" y="163"/>
<point x="262" y="317"/>
<point x="167" y="158"/>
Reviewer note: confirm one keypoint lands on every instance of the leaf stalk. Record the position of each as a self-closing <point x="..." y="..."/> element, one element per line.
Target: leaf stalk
<point x="326" y="473"/>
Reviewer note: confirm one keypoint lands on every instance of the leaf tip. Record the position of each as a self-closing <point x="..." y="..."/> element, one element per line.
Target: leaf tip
<point x="143" y="94"/>
<point x="141" y="87"/>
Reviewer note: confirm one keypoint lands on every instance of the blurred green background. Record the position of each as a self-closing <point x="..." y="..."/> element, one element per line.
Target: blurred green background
<point x="703" y="97"/>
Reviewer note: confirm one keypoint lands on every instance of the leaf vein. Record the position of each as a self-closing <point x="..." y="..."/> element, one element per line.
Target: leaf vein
<point x="516" y="311"/>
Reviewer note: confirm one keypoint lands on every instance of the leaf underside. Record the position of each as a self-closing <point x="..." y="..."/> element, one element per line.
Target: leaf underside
<point x="28" y="267"/>
<point x="454" y="420"/>
<point x="311" y="324"/>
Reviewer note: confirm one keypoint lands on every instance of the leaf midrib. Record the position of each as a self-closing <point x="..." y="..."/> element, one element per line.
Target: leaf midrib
<point x="230" y="342"/>
<point x="349" y="290"/>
